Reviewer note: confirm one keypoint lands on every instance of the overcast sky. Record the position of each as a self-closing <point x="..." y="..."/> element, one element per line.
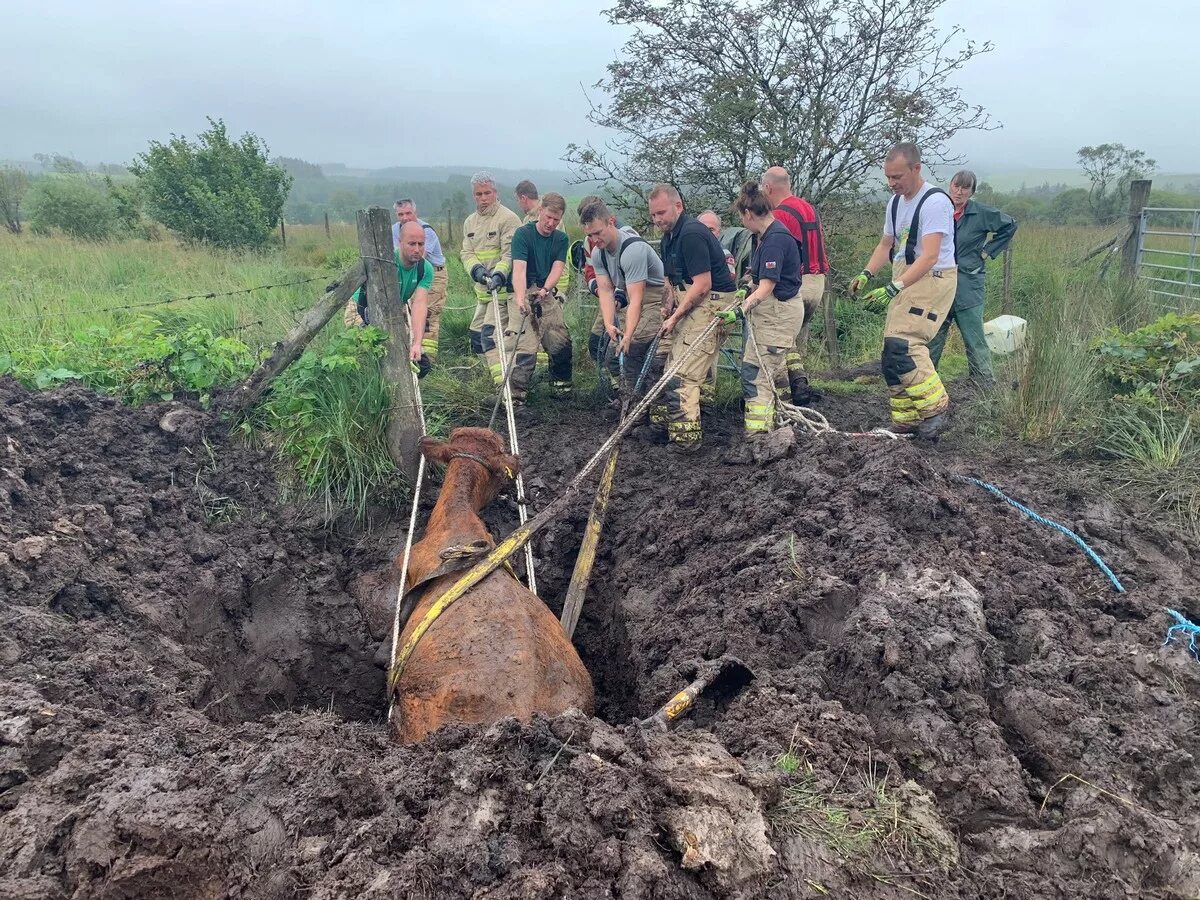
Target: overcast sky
<point x="498" y="83"/>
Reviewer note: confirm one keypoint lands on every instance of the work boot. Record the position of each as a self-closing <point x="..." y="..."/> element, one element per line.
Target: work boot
<point x="684" y="448"/>
<point x="931" y="429"/>
<point x="649" y="434"/>
<point x="803" y="393"/>
<point x="900" y="429"/>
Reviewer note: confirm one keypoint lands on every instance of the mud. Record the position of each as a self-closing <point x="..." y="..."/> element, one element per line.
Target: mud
<point x="190" y="701"/>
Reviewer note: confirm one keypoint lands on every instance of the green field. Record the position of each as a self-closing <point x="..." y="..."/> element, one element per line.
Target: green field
<point x="125" y="318"/>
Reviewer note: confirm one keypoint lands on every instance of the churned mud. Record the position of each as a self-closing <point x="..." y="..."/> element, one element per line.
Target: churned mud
<point x="948" y="700"/>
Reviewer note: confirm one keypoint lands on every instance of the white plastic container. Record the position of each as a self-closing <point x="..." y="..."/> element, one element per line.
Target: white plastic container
<point x="1005" y="334"/>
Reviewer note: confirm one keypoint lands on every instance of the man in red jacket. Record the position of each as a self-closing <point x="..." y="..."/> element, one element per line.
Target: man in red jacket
<point x="800" y="218"/>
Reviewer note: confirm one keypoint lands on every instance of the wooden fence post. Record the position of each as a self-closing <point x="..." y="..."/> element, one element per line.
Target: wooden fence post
<point x="328" y="234"/>
<point x="831" y="341"/>
<point x="282" y="231"/>
<point x="1006" y="301"/>
<point x="387" y="313"/>
<point x="1139" y="197"/>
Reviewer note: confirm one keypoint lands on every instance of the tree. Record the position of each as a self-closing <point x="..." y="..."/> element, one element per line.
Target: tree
<point x="1110" y="168"/>
<point x="60" y="164"/>
<point x="298" y="168"/>
<point x="74" y="205"/>
<point x="216" y="190"/>
<point x="708" y="93"/>
<point x="13" y="185"/>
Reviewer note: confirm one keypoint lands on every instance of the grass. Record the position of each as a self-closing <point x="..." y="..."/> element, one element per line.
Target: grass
<point x="862" y="819"/>
<point x="58" y="298"/>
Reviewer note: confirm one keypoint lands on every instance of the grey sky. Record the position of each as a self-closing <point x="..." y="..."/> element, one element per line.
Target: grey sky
<point x="469" y="82"/>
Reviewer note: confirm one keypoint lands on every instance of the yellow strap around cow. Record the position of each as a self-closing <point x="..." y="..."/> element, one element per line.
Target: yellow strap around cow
<point x="498" y="556"/>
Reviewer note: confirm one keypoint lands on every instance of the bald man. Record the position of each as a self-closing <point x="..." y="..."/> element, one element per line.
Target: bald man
<point x="415" y="275"/>
<point x="800" y="218"/>
<point x="711" y="221"/>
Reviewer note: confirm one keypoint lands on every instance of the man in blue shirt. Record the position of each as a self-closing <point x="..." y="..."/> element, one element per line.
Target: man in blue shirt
<point x="406" y="211"/>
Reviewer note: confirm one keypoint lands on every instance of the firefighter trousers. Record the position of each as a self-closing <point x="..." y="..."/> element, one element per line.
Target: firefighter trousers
<point x="795" y="378"/>
<point x="913" y="318"/>
<point x="770" y="334"/>
<point x="483" y="333"/>
<point x="433" y="319"/>
<point x="544" y="327"/>
<point x="682" y="395"/>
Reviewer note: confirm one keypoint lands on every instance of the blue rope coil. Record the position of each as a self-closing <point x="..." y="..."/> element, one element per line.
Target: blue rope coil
<point x="1184" y="626"/>
<point x="1050" y="523"/>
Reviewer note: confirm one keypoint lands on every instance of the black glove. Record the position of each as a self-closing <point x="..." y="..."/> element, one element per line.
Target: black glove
<point x="424" y="365"/>
<point x="495" y="281"/>
<point x="479" y="274"/>
<point x="594" y="288"/>
<point x="622" y="300"/>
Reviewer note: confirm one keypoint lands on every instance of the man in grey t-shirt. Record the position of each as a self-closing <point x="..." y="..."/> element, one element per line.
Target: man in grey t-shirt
<point x="918" y="241"/>
<point x="629" y="279"/>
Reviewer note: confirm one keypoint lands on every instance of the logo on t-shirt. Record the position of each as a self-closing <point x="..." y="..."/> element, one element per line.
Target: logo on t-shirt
<point x="770" y="264"/>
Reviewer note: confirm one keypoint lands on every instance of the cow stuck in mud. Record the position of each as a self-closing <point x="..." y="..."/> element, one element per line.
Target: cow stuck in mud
<point x="496" y="652"/>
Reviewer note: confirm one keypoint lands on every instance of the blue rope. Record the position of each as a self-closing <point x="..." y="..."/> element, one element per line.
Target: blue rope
<point x="646" y="365"/>
<point x="1184" y="626"/>
<point x="1049" y="523"/>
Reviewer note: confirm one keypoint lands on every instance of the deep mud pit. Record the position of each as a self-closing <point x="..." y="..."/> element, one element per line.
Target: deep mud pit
<point x="190" y="703"/>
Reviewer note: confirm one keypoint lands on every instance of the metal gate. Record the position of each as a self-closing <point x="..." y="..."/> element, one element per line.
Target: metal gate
<point x="1168" y="253"/>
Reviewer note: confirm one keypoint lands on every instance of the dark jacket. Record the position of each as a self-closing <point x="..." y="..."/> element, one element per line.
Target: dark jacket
<point x="981" y="228"/>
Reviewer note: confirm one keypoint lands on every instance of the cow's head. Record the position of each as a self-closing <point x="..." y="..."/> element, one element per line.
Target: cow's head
<point x="480" y="449"/>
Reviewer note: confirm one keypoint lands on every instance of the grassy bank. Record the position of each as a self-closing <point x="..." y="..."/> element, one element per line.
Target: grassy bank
<point x="132" y="318"/>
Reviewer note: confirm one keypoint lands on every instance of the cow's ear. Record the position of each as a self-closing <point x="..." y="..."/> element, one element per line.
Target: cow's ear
<point x="435" y="451"/>
<point x="506" y="465"/>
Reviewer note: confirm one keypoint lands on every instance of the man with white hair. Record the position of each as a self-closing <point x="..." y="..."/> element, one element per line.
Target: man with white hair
<point x="487" y="258"/>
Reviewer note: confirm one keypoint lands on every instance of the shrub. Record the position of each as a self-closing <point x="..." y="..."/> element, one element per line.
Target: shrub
<point x="1159" y="364"/>
<point x="216" y="190"/>
<point x="73" y="205"/>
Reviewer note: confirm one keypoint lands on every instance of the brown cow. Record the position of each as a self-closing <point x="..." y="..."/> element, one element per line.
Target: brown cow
<point x="497" y="651"/>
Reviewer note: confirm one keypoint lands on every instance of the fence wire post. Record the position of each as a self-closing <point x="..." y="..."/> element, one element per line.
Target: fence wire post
<point x="1139" y="198"/>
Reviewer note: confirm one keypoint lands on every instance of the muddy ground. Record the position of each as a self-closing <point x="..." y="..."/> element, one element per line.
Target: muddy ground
<point x="948" y="701"/>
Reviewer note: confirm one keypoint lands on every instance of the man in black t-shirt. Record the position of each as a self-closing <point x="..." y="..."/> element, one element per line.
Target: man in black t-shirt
<point x="698" y="286"/>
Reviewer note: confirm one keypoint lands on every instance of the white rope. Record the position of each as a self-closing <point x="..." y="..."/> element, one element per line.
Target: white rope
<point x="522" y="508"/>
<point x="806" y="417"/>
<point x="412" y="519"/>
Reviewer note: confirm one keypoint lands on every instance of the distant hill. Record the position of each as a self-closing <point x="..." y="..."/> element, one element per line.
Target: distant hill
<point x="558" y="180"/>
<point x="1009" y="180"/>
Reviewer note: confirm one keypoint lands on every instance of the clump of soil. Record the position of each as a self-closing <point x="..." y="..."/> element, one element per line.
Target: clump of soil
<point x="191" y="696"/>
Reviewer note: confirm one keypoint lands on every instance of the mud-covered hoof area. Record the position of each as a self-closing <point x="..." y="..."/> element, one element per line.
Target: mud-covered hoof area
<point x="947" y="701"/>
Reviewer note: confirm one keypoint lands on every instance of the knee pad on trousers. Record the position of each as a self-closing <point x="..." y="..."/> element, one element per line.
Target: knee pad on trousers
<point x="673" y="401"/>
<point x="749" y="374"/>
<point x="561" y="363"/>
<point x="895" y="361"/>
<point x="476" y="342"/>
<point x="487" y="338"/>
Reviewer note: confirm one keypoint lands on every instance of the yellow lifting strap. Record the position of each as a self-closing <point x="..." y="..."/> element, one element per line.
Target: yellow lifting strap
<point x="456" y="591"/>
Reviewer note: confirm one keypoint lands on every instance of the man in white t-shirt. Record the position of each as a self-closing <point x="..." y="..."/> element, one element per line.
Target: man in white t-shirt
<point x="918" y="240"/>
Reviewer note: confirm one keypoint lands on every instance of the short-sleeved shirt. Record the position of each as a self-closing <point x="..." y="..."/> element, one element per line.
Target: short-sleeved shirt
<point x="777" y="258"/>
<point x="638" y="262"/>
<point x="937" y="217"/>
<point x="419" y="276"/>
<point x="539" y="251"/>
<point x="690" y="249"/>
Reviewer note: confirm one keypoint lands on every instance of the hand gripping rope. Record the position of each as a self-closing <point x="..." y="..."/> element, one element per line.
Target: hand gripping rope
<point x="412" y="518"/>
<point x="506" y="393"/>
<point x="521" y="537"/>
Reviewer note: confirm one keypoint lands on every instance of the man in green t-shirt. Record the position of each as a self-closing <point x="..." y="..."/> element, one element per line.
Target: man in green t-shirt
<point x="539" y="257"/>
<point x="415" y="275"/>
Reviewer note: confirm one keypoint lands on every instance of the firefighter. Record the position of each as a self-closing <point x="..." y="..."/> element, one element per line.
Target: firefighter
<point x="415" y="274"/>
<point x="630" y="282"/>
<point x="527" y="196"/>
<point x="535" y="317"/>
<point x="406" y="211"/>
<point x="918" y="241"/>
<point x="487" y="258"/>
<point x="698" y="287"/>
<point x="774" y="310"/>
<point x="980" y="233"/>
<point x="802" y="221"/>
